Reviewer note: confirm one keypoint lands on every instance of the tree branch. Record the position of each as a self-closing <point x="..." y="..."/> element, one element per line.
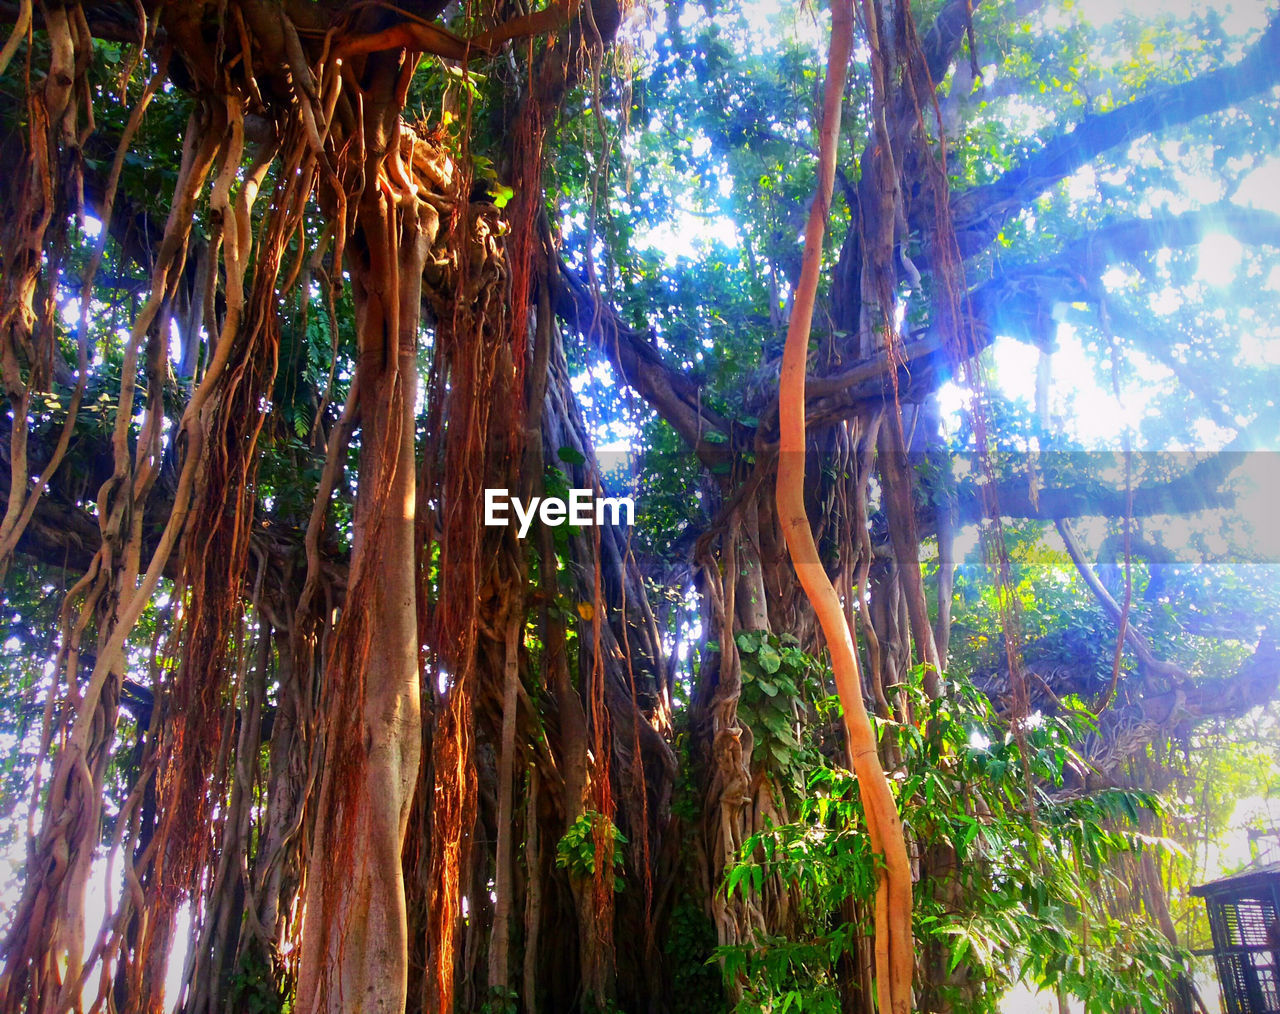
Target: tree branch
<point x="675" y="397"/>
<point x="980" y="213"/>
<point x="1146" y="657"/>
<point x="1017" y="302"/>
<point x="1138" y="718"/>
<point x="1195" y="490"/>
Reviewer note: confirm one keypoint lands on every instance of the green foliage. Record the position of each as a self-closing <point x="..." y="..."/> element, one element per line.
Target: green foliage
<point x="257" y="987"/>
<point x="689" y="944"/>
<point x="784" y="974"/>
<point x="782" y="694"/>
<point x="501" y="1000"/>
<point x="592" y="834"/>
<point x="1026" y="900"/>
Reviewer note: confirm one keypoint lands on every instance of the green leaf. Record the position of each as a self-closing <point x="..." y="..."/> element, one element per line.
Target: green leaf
<point x="770" y="660"/>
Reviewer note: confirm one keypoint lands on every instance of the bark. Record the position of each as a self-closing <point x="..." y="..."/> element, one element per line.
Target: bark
<point x="901" y="513"/>
<point x="44" y="950"/>
<point x="533" y="897"/>
<point x="504" y="867"/>
<point x="355" y="947"/>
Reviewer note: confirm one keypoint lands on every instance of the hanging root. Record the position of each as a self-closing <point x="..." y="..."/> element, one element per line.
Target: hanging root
<point x="895" y="955"/>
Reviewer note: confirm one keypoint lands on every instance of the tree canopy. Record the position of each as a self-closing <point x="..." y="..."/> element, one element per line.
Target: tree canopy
<point x="936" y="344"/>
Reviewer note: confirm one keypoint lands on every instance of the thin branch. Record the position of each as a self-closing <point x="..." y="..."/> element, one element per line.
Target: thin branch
<point x="1141" y="647"/>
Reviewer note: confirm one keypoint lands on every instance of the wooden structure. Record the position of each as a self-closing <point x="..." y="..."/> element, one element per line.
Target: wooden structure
<point x="1244" y="915"/>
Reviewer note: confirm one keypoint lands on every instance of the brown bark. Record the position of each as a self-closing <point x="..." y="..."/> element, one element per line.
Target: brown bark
<point x="504" y="868"/>
<point x="355" y="945"/>
<point x="900" y="508"/>
<point x="533" y="896"/>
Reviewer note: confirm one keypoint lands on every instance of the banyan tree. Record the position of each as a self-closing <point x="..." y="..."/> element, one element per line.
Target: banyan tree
<point x="291" y="287"/>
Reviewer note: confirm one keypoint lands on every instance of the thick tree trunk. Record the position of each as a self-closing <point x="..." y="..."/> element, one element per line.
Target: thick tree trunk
<point x="355" y="938"/>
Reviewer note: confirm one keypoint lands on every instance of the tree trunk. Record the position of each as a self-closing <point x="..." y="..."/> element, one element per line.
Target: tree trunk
<point x="504" y="867"/>
<point x="355" y="946"/>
